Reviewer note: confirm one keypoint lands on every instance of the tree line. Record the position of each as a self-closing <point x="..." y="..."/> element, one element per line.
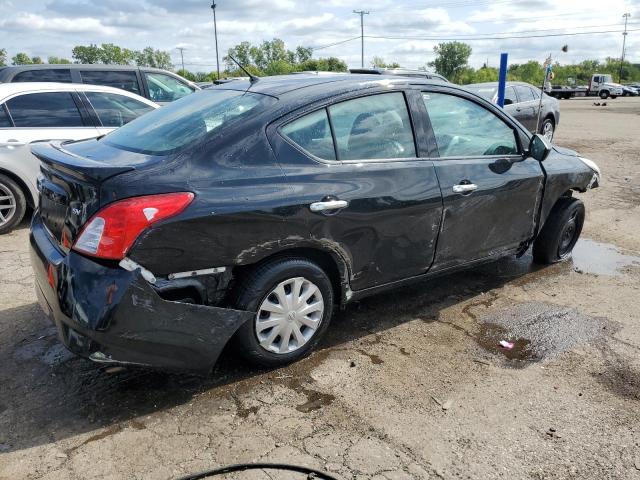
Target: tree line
<point x="272" y="57"/>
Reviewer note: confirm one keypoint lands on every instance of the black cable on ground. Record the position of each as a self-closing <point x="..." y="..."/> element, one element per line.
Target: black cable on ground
<point x="312" y="474"/>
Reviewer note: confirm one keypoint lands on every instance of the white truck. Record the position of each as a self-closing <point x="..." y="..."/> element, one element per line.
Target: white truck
<point x="601" y="85"/>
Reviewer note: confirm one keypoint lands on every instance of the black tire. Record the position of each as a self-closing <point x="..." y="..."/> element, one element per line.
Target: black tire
<point x="560" y="232"/>
<point x="613" y="97"/>
<point x="7" y="185"/>
<point x="604" y="94"/>
<point x="253" y="290"/>
<point x="545" y="122"/>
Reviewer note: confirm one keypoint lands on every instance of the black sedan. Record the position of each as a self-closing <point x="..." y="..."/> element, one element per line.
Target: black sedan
<point x="522" y="101"/>
<point x="251" y="210"/>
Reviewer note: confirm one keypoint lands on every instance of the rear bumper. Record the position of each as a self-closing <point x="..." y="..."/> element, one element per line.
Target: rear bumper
<point x="110" y="315"/>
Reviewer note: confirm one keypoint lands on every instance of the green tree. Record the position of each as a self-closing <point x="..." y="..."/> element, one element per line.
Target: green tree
<point x="378" y="62"/>
<point x="150" y="57"/>
<point x="3" y="57"/>
<point x="37" y="60"/>
<point x="111" y="54"/>
<point x="303" y="54"/>
<point x="86" y="54"/>
<point x="241" y="52"/>
<point x="451" y="59"/>
<point x="21" y="59"/>
<point x="57" y="60"/>
<point x="186" y="74"/>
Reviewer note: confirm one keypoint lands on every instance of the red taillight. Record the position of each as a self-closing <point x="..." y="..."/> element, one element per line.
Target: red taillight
<point x="111" y="232"/>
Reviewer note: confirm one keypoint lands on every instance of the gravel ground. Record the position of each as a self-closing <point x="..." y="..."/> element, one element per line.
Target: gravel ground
<point x="409" y="384"/>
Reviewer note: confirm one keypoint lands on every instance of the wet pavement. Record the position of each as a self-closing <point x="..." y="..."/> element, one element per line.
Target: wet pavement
<point x="410" y="384"/>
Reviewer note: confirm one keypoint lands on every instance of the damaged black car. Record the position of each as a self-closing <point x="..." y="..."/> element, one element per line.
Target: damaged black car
<point x="249" y="212"/>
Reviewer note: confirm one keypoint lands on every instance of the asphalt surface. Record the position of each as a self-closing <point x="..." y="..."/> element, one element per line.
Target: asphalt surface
<point x="408" y="384"/>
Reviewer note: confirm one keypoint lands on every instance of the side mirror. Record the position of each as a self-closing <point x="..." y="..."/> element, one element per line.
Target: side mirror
<point x="508" y="101"/>
<point x="539" y="147"/>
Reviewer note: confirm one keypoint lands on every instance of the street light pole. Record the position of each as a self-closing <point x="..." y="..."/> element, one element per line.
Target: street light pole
<point x="362" y="13"/>
<point x="624" y="41"/>
<point x="215" y="33"/>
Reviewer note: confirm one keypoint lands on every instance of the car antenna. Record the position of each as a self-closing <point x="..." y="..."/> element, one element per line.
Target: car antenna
<point x="252" y="78"/>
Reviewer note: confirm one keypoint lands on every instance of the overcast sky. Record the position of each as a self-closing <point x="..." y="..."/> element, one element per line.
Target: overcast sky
<point x="53" y="27"/>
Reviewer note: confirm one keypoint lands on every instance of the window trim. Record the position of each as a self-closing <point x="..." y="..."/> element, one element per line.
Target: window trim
<point x="326" y="104"/>
<point x="4" y="108"/>
<point x="499" y="114"/>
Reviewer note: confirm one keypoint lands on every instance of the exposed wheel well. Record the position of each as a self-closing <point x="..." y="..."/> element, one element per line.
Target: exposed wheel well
<point x="335" y="269"/>
<point x="27" y="192"/>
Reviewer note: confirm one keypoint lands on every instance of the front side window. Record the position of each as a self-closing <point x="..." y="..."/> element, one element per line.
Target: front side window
<point x="510" y="96"/>
<point x="5" y="121"/>
<point x="187" y="121"/>
<point x="465" y="129"/>
<point x="51" y="109"/>
<point x="165" y="88"/>
<point x="115" y="110"/>
<point x="44" y="75"/>
<point x="313" y="134"/>
<point x="123" y="79"/>
<point x="373" y="127"/>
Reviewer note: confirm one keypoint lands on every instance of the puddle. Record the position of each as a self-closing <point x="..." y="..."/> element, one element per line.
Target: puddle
<point x="600" y="258"/>
<point x="538" y="331"/>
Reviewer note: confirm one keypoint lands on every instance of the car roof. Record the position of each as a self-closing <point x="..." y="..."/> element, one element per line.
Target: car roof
<point x="9" y="89"/>
<point x="495" y="84"/>
<point x="326" y="84"/>
<point x="76" y="66"/>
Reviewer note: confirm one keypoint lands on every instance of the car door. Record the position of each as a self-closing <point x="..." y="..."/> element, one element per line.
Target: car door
<point x="360" y="184"/>
<point x="490" y="189"/>
<point x="527" y="107"/>
<point x="113" y="110"/>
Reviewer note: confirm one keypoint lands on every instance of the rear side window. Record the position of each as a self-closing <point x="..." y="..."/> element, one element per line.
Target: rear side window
<point x="510" y="96"/>
<point x="5" y="121"/>
<point x="312" y="133"/>
<point x="115" y="110"/>
<point x="524" y="93"/>
<point x="373" y="127"/>
<point x="51" y="109"/>
<point x="165" y="88"/>
<point x="465" y="129"/>
<point x="44" y="75"/>
<point x="123" y="79"/>
<point x="187" y="121"/>
<point x="536" y="93"/>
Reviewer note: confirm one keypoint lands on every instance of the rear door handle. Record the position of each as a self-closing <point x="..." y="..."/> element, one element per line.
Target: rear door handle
<point x="12" y="143"/>
<point x="465" y="188"/>
<point x="328" y="205"/>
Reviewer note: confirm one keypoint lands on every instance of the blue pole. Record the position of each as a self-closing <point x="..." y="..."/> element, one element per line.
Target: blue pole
<point x="502" y="81"/>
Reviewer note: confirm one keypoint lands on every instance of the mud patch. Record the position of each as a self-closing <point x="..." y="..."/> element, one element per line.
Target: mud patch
<point x="597" y="258"/>
<point x="539" y="331"/>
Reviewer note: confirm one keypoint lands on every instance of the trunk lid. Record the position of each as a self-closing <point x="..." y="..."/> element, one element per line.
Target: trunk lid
<point x="70" y="181"/>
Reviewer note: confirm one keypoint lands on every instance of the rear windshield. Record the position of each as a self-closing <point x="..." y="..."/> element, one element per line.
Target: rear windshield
<point x="186" y="121"/>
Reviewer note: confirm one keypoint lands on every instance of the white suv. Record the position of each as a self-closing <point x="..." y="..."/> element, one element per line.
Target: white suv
<point x="32" y="112"/>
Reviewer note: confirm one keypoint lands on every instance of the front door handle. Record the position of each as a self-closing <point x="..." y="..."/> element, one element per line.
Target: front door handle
<point x="12" y="143"/>
<point x="328" y="205"/>
<point x="465" y="188"/>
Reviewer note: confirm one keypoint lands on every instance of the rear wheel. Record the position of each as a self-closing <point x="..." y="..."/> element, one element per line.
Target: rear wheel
<point x="560" y="232"/>
<point x="547" y="129"/>
<point x="13" y="204"/>
<point x="293" y="302"/>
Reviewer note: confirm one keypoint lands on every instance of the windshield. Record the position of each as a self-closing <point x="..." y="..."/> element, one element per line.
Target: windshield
<point x="185" y="121"/>
<point x="607" y="78"/>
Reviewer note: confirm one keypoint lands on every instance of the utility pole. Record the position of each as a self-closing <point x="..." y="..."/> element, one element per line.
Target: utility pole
<point x="182" y="49"/>
<point x="215" y="34"/>
<point x="362" y="13"/>
<point x="624" y="41"/>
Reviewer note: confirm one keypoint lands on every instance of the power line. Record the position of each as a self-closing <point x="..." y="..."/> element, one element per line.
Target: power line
<point x="335" y="43"/>
<point x="362" y="13"/>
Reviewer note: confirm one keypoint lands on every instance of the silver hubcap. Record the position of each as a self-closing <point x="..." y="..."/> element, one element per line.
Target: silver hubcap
<point x="7" y="204"/>
<point x="548" y="131"/>
<point x="289" y="315"/>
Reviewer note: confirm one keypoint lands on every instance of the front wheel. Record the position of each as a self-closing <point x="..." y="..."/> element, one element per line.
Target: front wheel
<point x="604" y="94"/>
<point x="293" y="302"/>
<point x="560" y="232"/>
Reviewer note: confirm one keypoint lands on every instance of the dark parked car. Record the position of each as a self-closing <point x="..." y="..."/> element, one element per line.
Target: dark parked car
<point x="155" y="84"/>
<point x="274" y="202"/>
<point x="523" y="101"/>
